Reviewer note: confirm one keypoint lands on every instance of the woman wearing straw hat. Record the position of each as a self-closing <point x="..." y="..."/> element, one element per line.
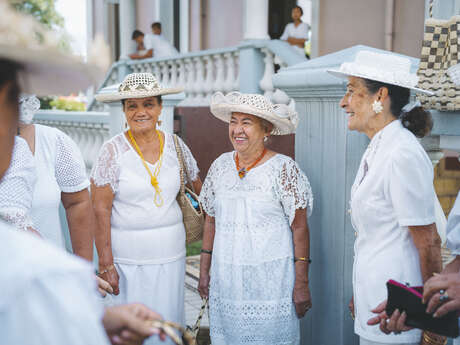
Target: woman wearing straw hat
<point x="256" y="237"/>
<point x="392" y="198"/>
<point x="141" y="237"/>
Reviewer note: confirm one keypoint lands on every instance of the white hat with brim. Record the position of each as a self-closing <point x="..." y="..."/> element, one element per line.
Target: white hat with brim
<point x="137" y="85"/>
<point x="45" y="68"/>
<point x="385" y="68"/>
<point x="281" y="116"/>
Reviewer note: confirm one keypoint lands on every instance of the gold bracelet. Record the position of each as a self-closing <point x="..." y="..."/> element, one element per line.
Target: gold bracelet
<point x="437" y="340"/>
<point x="109" y="268"/>
<point x="302" y="259"/>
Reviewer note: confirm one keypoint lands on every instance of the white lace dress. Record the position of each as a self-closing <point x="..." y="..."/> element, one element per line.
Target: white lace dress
<point x="16" y="187"/>
<point x="252" y="270"/>
<point x="148" y="242"/>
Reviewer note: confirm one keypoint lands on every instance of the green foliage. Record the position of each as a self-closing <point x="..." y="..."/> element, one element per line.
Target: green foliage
<point x="43" y="10"/>
<point x="194" y="248"/>
<point x="67" y="104"/>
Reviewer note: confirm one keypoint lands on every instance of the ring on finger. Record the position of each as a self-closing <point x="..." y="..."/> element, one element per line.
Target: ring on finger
<point x="444" y="297"/>
<point x="442" y="292"/>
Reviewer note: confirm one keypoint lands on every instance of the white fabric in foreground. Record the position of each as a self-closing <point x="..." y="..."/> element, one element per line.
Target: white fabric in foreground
<point x="60" y="167"/>
<point x="397" y="192"/>
<point x="48" y="296"/>
<point x="252" y="264"/>
<point x="17" y="185"/>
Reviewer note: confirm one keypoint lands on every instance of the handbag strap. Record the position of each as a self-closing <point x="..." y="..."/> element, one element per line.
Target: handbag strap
<point x="180" y="157"/>
<point x="196" y="327"/>
<point x="431" y="8"/>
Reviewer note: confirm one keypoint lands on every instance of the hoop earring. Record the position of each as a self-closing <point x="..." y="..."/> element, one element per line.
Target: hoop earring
<point x="377" y="107"/>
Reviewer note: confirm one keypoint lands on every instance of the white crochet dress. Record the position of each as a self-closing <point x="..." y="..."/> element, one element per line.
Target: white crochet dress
<point x="16" y="187"/>
<point x="148" y="242"/>
<point x="252" y="270"/>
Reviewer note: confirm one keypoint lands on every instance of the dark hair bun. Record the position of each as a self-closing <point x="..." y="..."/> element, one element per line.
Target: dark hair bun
<point x="418" y="121"/>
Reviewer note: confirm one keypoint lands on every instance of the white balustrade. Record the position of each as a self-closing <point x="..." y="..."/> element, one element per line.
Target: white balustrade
<point x="199" y="81"/>
<point x="218" y="84"/>
<point x="266" y="83"/>
<point x="208" y="82"/>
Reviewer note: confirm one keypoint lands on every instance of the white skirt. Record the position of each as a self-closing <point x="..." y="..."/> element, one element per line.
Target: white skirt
<point x="160" y="287"/>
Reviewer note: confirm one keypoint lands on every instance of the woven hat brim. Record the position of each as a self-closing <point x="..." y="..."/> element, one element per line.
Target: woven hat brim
<point x="343" y="75"/>
<point x="48" y="72"/>
<point x="224" y="112"/>
<point x="118" y="96"/>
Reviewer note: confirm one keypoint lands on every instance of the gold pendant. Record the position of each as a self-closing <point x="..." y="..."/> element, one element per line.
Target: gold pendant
<point x="242" y="173"/>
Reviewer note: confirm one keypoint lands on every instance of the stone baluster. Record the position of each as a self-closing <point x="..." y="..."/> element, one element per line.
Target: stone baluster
<point x="156" y="72"/>
<point x="266" y="83"/>
<point x="173" y="69"/>
<point x="190" y="84"/>
<point x="230" y="69"/>
<point x="236" y="82"/>
<point x="208" y="82"/>
<point x="199" y="80"/>
<point x="164" y="73"/>
<point x="220" y="73"/>
<point x="181" y="82"/>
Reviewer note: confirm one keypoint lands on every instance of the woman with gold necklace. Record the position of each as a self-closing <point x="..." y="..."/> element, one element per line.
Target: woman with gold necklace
<point x="141" y="237"/>
<point x="255" y="256"/>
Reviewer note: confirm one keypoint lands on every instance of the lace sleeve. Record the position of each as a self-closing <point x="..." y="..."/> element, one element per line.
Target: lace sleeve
<point x="189" y="161"/>
<point x="17" y="186"/>
<point x="207" y="195"/>
<point x="294" y="190"/>
<point x="70" y="170"/>
<point x="106" y="170"/>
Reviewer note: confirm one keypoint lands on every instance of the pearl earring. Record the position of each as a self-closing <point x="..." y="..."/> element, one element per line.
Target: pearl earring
<point x="377" y="107"/>
<point x="265" y="139"/>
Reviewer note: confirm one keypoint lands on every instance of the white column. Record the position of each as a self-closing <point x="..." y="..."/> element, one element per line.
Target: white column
<point x="184" y="25"/>
<point x="255" y="19"/>
<point x="89" y="25"/>
<point x="157" y="11"/>
<point x="127" y="14"/>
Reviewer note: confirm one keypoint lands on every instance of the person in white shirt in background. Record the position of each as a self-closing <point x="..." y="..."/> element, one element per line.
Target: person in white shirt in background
<point x="296" y="33"/>
<point x="48" y="296"/>
<point x="158" y="43"/>
<point x="142" y="51"/>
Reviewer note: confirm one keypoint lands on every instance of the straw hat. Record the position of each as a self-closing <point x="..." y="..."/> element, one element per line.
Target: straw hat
<point x="386" y="68"/>
<point x="283" y="118"/>
<point x="137" y="85"/>
<point x="46" y="69"/>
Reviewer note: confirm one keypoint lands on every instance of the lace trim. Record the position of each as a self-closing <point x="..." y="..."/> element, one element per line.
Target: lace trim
<point x="189" y="160"/>
<point x="19" y="219"/>
<point x="106" y="171"/>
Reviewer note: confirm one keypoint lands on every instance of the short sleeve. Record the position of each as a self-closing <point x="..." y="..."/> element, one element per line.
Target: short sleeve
<point x="189" y="161"/>
<point x="294" y="189"/>
<point x="453" y="228"/>
<point x="305" y="31"/>
<point x="70" y="168"/>
<point x="285" y="34"/>
<point x="106" y="171"/>
<point x="410" y="184"/>
<point x="207" y="195"/>
<point x="148" y="42"/>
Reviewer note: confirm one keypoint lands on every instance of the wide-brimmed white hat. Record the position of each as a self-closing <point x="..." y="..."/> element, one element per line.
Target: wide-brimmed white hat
<point x="283" y="118"/>
<point x="137" y="85"/>
<point x="45" y="68"/>
<point x="386" y="68"/>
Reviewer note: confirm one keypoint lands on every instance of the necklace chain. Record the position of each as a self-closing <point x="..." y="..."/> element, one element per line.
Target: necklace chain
<point x="243" y="171"/>
<point x="158" y="199"/>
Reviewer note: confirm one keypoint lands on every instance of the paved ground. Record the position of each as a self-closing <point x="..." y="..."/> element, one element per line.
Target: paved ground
<point x="192" y="298"/>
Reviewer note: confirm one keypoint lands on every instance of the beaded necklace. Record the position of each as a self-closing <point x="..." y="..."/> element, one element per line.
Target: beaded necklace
<point x="243" y="171"/>
<point x="158" y="199"/>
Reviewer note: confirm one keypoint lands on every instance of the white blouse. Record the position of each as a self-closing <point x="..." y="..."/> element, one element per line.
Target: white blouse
<point x="48" y="296"/>
<point x="395" y="192"/>
<point x="143" y="233"/>
<point x="453" y="228"/>
<point x="16" y="187"/>
<point x="60" y="168"/>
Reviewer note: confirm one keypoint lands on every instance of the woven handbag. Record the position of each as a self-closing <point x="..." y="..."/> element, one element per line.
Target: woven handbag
<point x="439" y="69"/>
<point x="193" y="218"/>
<point x="201" y="334"/>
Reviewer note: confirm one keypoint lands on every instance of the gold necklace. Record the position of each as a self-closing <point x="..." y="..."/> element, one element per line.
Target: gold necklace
<point x="158" y="199"/>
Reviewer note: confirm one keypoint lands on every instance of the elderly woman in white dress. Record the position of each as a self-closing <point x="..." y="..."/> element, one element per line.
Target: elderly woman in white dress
<point x="135" y="182"/>
<point x="392" y="198"/>
<point x="255" y="254"/>
<point x="61" y="177"/>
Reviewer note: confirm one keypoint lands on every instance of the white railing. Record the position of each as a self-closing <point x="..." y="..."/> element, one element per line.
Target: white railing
<point x="89" y="130"/>
<point x="205" y="72"/>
